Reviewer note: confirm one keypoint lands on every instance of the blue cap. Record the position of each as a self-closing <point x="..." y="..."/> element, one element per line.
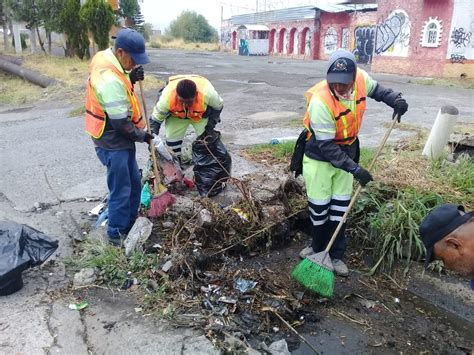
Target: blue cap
<point x="439" y="223"/>
<point x="133" y="43"/>
<point x="341" y="67"/>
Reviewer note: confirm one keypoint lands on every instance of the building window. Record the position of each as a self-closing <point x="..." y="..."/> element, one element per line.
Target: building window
<point x="431" y="33"/>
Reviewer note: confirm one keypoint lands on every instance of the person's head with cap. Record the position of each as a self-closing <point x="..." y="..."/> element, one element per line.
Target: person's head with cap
<point x="341" y="72"/>
<point x="448" y="235"/>
<point x="129" y="48"/>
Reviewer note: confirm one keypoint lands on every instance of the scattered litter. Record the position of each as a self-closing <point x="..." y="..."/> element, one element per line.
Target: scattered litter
<point x="138" y="235"/>
<point x="157" y="246"/>
<point x="204" y="218"/>
<point x="79" y="306"/>
<point x="367" y="303"/>
<point x="97" y="210"/>
<point x="228" y="300"/>
<point x="168" y="225"/>
<point x="86" y="276"/>
<point x="243" y="216"/>
<point x="138" y="309"/>
<point x="145" y="197"/>
<point x="279" y="347"/>
<point x="167" y="266"/>
<point x="244" y="285"/>
<point x="102" y="219"/>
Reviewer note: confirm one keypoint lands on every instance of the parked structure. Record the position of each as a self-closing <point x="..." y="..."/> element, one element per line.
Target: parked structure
<point x="414" y="37"/>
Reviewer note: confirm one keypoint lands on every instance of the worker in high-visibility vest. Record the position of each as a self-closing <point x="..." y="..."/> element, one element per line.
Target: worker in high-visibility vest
<point x="115" y="123"/>
<point x="335" y="108"/>
<point x="186" y="100"/>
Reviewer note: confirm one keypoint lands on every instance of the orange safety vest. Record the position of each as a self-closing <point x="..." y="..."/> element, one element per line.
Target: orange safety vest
<point x="347" y="122"/>
<point x="95" y="115"/>
<point x="196" y="111"/>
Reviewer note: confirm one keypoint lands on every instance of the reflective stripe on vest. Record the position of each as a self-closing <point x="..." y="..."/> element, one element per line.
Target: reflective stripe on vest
<point x="347" y="123"/>
<point x="196" y="111"/>
<point x="95" y="116"/>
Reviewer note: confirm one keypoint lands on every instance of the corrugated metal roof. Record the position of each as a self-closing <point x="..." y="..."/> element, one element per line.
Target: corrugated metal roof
<point x="254" y="27"/>
<point x="295" y="13"/>
<point x="298" y="13"/>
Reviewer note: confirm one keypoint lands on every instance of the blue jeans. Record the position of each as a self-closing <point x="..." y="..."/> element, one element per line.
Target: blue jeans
<point x="124" y="183"/>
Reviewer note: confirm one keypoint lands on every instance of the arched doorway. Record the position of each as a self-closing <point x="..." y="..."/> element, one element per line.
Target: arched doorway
<point x="234" y="40"/>
<point x="271" y="41"/>
<point x="303" y="37"/>
<point x="306" y="42"/>
<point x="293" y="40"/>
<point x="282" y="41"/>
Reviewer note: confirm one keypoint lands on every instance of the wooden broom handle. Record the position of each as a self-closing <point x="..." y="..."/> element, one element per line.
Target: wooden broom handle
<point x="359" y="188"/>
<point x="152" y="148"/>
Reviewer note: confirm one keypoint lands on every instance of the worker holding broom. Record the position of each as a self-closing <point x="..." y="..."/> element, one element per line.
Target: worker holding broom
<point x="114" y="121"/>
<point x="186" y="100"/>
<point x="335" y="109"/>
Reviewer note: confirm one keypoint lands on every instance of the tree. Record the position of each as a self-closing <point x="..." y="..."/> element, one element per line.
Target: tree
<point x="147" y="31"/>
<point x="4" y="20"/>
<point x="192" y="27"/>
<point x="50" y="15"/>
<point x="128" y="9"/>
<point x="138" y="22"/>
<point x="27" y="11"/>
<point x="75" y="29"/>
<point x="99" y="17"/>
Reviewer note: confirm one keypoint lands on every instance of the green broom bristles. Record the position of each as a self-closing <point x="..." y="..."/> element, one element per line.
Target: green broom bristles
<point x="314" y="277"/>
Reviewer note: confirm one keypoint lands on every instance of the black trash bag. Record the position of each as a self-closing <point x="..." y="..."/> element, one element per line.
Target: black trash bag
<point x="21" y="247"/>
<point x="212" y="163"/>
<point x="296" y="164"/>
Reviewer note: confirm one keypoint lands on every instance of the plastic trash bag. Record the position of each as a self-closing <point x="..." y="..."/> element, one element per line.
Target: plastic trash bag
<point x="21" y="247"/>
<point x="212" y="163"/>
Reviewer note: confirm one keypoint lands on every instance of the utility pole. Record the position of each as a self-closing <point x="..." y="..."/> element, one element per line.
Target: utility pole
<point x="256" y="5"/>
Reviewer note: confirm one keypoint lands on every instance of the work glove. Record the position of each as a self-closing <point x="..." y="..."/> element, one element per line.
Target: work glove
<point x="400" y="106"/>
<point x="136" y="74"/>
<point x="155" y="126"/>
<point x="362" y="175"/>
<point x="211" y="124"/>
<point x="148" y="138"/>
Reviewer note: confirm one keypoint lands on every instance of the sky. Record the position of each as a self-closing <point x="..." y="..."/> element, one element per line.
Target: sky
<point x="160" y="13"/>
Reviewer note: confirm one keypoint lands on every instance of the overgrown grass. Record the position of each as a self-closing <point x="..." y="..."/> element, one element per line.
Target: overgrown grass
<point x="271" y="153"/>
<point x="16" y="91"/>
<point x="173" y="43"/>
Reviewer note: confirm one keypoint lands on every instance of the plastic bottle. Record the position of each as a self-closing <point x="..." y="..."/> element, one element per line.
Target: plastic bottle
<point x="282" y="140"/>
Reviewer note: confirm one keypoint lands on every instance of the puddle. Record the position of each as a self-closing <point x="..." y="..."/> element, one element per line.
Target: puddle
<point x="251" y="82"/>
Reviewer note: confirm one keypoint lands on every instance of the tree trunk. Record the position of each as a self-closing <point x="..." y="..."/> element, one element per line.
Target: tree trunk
<point x="26" y="74"/>
<point x="6" y="43"/>
<point x="49" y="42"/>
<point x="40" y="40"/>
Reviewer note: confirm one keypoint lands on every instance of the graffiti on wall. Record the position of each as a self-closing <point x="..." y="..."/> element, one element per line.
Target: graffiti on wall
<point x="461" y="44"/>
<point x="458" y="58"/>
<point x="226" y="37"/>
<point x="364" y="45"/>
<point x="345" y="38"/>
<point x="330" y="40"/>
<point x="460" y="37"/>
<point x="243" y="47"/>
<point x="392" y="36"/>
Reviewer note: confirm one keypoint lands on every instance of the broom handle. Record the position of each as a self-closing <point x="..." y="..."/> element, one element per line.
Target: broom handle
<point x="359" y="188"/>
<point x="152" y="148"/>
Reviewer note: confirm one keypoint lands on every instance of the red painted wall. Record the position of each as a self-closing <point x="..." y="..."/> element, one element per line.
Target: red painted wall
<point x="338" y="21"/>
<point x="421" y="61"/>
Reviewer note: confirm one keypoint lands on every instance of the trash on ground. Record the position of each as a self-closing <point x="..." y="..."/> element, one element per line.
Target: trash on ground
<point x="244" y="285"/>
<point x="138" y="235"/>
<point x="21" y="247"/>
<point x="97" y="210"/>
<point x="79" y="306"/>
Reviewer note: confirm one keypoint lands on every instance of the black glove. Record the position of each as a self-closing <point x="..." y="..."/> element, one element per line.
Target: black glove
<point x="155" y="126"/>
<point x="211" y="124"/>
<point x="362" y="175"/>
<point x="136" y="74"/>
<point x="400" y="106"/>
<point x="148" y="138"/>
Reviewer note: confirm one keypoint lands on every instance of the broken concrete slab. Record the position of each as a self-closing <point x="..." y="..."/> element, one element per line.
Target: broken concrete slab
<point x="92" y="188"/>
<point x="86" y="276"/>
<point x="279" y="347"/>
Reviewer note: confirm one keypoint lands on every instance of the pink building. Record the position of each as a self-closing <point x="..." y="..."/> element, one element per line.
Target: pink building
<point x="414" y="37"/>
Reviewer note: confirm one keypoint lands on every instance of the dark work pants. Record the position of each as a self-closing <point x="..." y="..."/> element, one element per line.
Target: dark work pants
<point x="124" y="183"/>
<point x="323" y="233"/>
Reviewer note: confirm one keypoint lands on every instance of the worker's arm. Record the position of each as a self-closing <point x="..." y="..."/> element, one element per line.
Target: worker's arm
<point x="215" y="104"/>
<point x="114" y="99"/>
<point x="324" y="132"/>
<point x="161" y="111"/>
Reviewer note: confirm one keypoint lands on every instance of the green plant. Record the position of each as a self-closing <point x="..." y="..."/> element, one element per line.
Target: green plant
<point x="192" y="27"/>
<point x="99" y="19"/>
<point x="74" y="27"/>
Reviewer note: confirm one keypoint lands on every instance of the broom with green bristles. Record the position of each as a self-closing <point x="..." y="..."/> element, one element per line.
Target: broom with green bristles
<point x="316" y="271"/>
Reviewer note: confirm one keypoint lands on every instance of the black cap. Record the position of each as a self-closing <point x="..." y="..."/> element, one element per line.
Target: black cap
<point x="342" y="67"/>
<point x="438" y="224"/>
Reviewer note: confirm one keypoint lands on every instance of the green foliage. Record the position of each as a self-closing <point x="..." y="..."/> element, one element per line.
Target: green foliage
<point x="192" y="27"/>
<point x="281" y="152"/>
<point x="99" y="18"/>
<point x="388" y="220"/>
<point x="128" y="8"/>
<point x="25" y="11"/>
<point x="147" y="31"/>
<point x="75" y="29"/>
<point x="50" y="14"/>
<point x="138" y="22"/>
